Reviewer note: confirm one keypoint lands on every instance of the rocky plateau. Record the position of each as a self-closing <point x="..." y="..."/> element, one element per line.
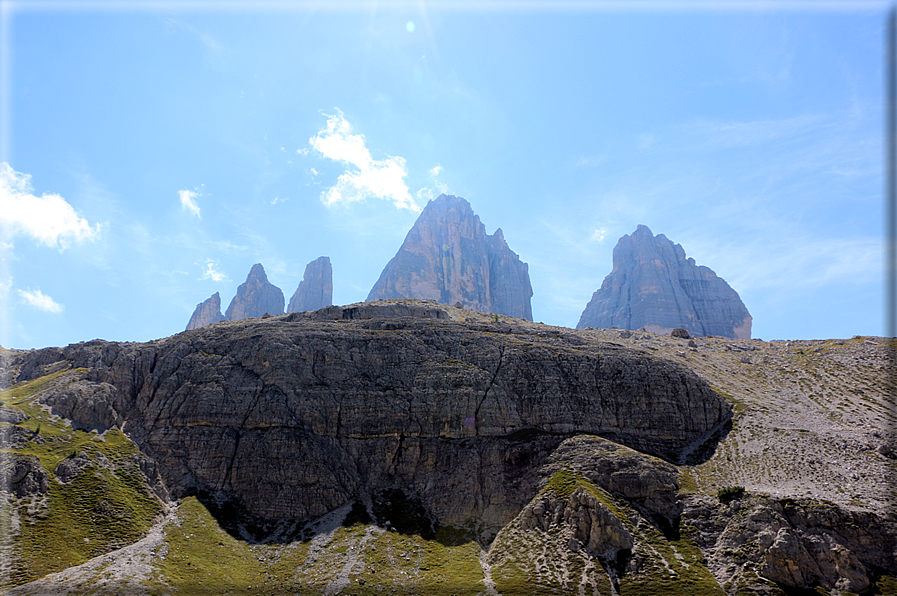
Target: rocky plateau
<point x="410" y="447"/>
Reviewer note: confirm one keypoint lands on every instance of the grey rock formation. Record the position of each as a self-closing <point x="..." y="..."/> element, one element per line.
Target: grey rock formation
<point x="23" y="475"/>
<point x="595" y="527"/>
<point x="206" y="313"/>
<point x="653" y="285"/>
<point x="316" y="288"/>
<point x="12" y="415"/>
<point x="448" y="257"/>
<point x="255" y="297"/>
<point x="797" y="543"/>
<point x="291" y="417"/>
<point x="646" y="481"/>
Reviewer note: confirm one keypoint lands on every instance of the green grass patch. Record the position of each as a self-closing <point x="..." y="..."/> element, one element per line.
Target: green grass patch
<point x="202" y="558"/>
<point x="27" y="389"/>
<point x="98" y="511"/>
<point x="687" y="482"/>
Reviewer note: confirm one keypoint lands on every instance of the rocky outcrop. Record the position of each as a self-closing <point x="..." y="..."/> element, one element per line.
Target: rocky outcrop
<point x="22" y="475"/>
<point x="255" y="297"/>
<point x="290" y="417"/>
<point x="12" y="415"/>
<point x="653" y="285"/>
<point x="749" y="544"/>
<point x="448" y="257"/>
<point x="206" y="313"/>
<point x="316" y="288"/>
<point x="796" y="543"/>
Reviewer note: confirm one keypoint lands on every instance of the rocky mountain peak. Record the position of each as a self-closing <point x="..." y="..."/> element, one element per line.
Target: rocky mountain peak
<point x="206" y="313"/>
<point x="316" y="288"/>
<point x="447" y="256"/>
<point x="255" y="297"/>
<point x="654" y="285"/>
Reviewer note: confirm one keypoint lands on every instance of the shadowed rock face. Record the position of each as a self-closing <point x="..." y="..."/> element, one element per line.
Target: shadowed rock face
<point x="291" y="417"/>
<point x="255" y="297"/>
<point x="206" y="313"/>
<point x="316" y="288"/>
<point x="653" y="285"/>
<point x="448" y="257"/>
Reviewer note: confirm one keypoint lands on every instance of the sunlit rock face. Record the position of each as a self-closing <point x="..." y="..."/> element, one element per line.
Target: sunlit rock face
<point x="653" y="285"/>
<point x="206" y="313"/>
<point x="448" y="257"/>
<point x="316" y="288"/>
<point x="255" y="297"/>
<point x="292" y="416"/>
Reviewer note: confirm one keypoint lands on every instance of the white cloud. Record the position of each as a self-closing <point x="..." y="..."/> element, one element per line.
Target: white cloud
<point x="188" y="201"/>
<point x="599" y="235"/>
<point x="369" y="178"/>
<point x="5" y="287"/>
<point x="435" y="171"/>
<point x="212" y="272"/>
<point x="49" y="219"/>
<point x="41" y="301"/>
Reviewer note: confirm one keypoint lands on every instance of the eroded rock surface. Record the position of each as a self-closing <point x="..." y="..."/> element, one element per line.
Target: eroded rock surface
<point x="653" y="285"/>
<point x="794" y="543"/>
<point x="293" y="416"/>
<point x="448" y="257"/>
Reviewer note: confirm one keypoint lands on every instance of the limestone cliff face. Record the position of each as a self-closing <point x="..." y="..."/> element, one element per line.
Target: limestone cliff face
<point x="290" y="417"/>
<point x="654" y="285"/>
<point x="206" y="313"/>
<point x="255" y="297"/>
<point x="448" y="257"/>
<point x="316" y="288"/>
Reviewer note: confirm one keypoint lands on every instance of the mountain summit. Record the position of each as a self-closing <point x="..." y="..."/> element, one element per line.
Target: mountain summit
<point x="316" y="288"/>
<point x="447" y="256"/>
<point x="255" y="297"/>
<point x="654" y="285"/>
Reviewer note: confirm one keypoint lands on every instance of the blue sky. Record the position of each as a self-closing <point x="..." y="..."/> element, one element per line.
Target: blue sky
<point x="153" y="152"/>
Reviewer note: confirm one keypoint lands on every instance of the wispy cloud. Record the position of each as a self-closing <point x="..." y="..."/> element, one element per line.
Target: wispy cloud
<point x="41" y="301"/>
<point x="188" y="201"/>
<point x="367" y="178"/>
<point x="436" y="188"/>
<point x="214" y="51"/>
<point x="49" y="219"/>
<point x="755" y="132"/>
<point x="599" y="235"/>
<point x="212" y="271"/>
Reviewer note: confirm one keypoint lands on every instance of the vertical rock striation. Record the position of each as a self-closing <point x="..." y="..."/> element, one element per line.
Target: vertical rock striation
<point x="316" y="288"/>
<point x="447" y="256"/>
<point x="654" y="285"/>
<point x="206" y="313"/>
<point x="255" y="297"/>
